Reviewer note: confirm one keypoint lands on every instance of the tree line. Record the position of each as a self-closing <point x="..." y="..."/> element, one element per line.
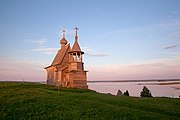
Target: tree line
<point x="144" y="93"/>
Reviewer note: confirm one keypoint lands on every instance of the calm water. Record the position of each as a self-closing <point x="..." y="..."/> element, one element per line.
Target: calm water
<point x="135" y="88"/>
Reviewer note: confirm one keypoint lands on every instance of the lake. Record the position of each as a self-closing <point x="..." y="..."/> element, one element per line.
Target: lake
<point x="158" y="89"/>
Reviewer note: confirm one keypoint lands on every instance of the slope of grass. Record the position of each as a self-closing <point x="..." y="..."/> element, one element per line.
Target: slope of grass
<point x="37" y="101"/>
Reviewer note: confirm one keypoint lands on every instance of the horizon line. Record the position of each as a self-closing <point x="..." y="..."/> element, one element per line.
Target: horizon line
<point x="100" y="81"/>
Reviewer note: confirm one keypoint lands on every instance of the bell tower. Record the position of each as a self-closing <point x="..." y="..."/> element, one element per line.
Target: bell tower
<point x="77" y="74"/>
<point x="75" y="55"/>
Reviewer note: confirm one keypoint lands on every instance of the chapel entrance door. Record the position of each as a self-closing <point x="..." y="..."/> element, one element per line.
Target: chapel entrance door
<point x="65" y="79"/>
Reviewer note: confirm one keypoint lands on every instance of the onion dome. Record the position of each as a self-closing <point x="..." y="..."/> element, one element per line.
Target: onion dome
<point x="63" y="41"/>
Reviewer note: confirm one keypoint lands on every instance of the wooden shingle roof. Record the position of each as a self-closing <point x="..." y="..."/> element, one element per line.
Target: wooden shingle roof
<point x="60" y="55"/>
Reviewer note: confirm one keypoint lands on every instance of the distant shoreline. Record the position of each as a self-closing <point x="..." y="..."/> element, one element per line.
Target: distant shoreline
<point x="148" y="80"/>
<point x="167" y="83"/>
<point x="102" y="81"/>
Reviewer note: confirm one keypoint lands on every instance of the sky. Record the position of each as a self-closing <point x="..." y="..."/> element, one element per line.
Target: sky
<point x="122" y="39"/>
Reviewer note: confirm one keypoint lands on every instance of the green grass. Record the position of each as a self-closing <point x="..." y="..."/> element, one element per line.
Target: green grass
<point x="38" y="101"/>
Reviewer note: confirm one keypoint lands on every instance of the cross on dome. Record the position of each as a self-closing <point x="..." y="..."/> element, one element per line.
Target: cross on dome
<point x="76" y="37"/>
<point x="63" y="41"/>
<point x="63" y="33"/>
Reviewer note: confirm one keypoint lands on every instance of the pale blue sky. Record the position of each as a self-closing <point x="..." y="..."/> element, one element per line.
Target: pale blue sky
<point x="122" y="39"/>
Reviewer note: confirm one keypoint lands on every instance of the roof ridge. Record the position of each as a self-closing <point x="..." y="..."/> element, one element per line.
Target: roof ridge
<point x="60" y="55"/>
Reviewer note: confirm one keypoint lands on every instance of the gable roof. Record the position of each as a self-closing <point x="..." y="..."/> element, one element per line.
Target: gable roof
<point x="60" y="55"/>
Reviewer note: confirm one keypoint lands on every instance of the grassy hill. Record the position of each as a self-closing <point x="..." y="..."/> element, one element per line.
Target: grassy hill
<point x="38" y="101"/>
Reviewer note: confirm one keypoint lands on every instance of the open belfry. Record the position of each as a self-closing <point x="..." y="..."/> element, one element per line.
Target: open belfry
<point x="67" y="68"/>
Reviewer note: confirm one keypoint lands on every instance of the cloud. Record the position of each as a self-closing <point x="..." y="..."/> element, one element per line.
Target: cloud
<point x="94" y="53"/>
<point x="46" y="50"/>
<point x="156" y="69"/>
<point x="139" y="71"/>
<point x="18" y="69"/>
<point x="97" y="54"/>
<point x="40" y="47"/>
<point x="174" y="35"/>
<point x="172" y="46"/>
<point x="38" y="42"/>
<point x="175" y="12"/>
